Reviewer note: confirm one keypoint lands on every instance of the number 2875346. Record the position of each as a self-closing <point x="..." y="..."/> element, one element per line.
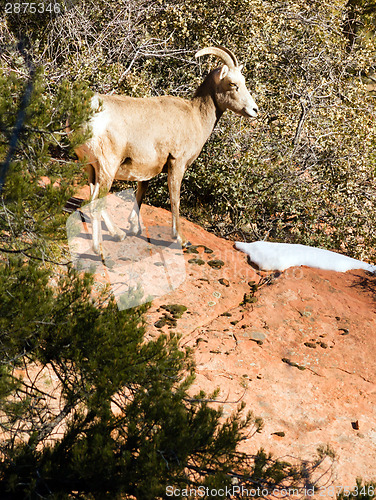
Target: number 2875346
<point x="32" y="8"/>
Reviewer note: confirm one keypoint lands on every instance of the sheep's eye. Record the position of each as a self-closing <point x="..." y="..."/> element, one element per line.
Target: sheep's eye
<point x="234" y="86"/>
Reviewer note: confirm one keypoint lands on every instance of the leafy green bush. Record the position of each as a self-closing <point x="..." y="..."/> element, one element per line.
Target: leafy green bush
<point x="305" y="171"/>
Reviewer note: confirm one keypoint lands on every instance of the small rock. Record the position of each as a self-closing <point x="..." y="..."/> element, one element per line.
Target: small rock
<point x="344" y="331"/>
<point x="206" y="249"/>
<point x="224" y="282"/>
<point x="310" y="344"/>
<point x="322" y="344"/>
<point x="199" y="262"/>
<point x="191" y="249"/>
<point x="216" y="263"/>
<point x="200" y="339"/>
<point x="291" y="363"/>
<point x="355" y="425"/>
<point x="258" y="337"/>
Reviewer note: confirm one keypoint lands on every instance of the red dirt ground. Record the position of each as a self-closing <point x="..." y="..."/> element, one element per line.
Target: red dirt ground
<point x="302" y="357"/>
<point x="323" y="322"/>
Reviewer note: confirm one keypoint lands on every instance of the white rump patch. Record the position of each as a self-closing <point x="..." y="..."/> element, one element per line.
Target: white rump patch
<point x="95" y="103"/>
<point x="280" y="256"/>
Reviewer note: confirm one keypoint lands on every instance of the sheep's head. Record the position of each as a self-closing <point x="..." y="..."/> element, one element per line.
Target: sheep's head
<point x="231" y="91"/>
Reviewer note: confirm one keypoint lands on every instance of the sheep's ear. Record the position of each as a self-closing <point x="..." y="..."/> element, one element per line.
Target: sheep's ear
<point x="223" y="72"/>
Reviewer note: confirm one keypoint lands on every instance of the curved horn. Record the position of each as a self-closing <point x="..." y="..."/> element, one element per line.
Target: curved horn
<point x="230" y="53"/>
<point x="225" y="54"/>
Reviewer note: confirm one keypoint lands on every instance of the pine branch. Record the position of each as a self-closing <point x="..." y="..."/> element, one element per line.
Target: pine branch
<point x="21" y="115"/>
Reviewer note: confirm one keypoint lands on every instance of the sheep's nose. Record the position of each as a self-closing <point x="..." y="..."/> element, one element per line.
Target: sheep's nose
<point x="252" y="111"/>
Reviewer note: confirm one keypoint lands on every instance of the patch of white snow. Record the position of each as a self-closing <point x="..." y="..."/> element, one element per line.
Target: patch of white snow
<point x="280" y="256"/>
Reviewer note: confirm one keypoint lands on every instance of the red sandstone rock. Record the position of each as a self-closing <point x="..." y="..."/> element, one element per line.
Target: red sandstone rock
<point x="302" y="357"/>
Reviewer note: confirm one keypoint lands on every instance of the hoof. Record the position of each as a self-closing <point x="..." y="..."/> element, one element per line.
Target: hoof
<point x="134" y="231"/>
<point x="99" y="252"/>
<point x="181" y="240"/>
<point x="119" y="236"/>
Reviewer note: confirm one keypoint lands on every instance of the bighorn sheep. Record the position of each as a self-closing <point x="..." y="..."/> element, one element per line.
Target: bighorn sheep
<point x="134" y="139"/>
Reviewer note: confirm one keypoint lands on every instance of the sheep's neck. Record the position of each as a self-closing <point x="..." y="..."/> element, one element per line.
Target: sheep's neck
<point x="209" y="111"/>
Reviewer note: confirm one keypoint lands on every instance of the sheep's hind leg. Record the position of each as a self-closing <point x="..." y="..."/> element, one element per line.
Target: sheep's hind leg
<point x="96" y="220"/>
<point x="114" y="230"/>
<point x="134" y="218"/>
<point x="98" y="211"/>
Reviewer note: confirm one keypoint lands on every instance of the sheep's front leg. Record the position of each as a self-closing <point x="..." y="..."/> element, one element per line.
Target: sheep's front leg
<point x="134" y="218"/>
<point x="113" y="229"/>
<point x="175" y="176"/>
